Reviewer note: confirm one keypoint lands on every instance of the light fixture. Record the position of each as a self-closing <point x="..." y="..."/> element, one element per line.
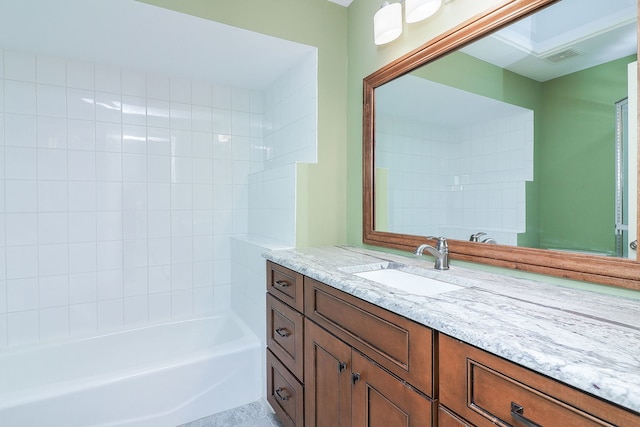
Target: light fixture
<point x="417" y="10"/>
<point x="387" y="23"/>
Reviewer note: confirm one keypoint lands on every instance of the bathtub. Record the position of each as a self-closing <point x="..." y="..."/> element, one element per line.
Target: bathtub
<point x="162" y="375"/>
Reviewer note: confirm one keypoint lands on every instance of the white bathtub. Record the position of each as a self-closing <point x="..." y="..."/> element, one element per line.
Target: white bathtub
<point x="155" y="376"/>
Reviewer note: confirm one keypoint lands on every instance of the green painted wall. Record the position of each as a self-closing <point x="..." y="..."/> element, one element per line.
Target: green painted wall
<point x="365" y="58"/>
<point x="329" y="198"/>
<point x="570" y="203"/>
<point x="551" y="222"/>
<point x="577" y="154"/>
<point x="321" y="188"/>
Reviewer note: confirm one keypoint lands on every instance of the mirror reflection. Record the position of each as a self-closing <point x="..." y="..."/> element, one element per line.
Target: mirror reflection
<point x="520" y="138"/>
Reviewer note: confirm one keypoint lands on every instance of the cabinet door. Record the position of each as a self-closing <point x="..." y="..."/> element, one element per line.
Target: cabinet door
<point x="448" y="419"/>
<point x="381" y="400"/>
<point x="328" y="380"/>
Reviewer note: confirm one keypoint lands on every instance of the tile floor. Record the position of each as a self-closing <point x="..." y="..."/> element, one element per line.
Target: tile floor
<point x="255" y="414"/>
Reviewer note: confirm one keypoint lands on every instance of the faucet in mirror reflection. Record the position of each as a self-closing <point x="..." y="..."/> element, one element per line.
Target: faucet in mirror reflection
<point x="476" y="238"/>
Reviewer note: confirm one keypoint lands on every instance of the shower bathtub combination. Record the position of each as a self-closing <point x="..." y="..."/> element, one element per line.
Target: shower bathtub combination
<point x="160" y="375"/>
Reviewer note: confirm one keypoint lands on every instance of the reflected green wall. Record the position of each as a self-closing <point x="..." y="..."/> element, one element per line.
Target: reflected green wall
<point x="570" y="203"/>
<point x="577" y="157"/>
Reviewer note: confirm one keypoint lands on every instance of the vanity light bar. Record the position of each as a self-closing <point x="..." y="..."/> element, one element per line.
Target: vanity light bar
<point x="387" y="22"/>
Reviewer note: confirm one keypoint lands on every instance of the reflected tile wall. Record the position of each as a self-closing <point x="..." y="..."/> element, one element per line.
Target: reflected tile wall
<point x="121" y="191"/>
<point x="475" y="180"/>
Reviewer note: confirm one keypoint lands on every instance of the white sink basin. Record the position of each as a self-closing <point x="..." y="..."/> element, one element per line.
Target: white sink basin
<point x="408" y="282"/>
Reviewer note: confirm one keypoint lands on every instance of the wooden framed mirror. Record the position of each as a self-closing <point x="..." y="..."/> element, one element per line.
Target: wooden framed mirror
<point x="534" y="238"/>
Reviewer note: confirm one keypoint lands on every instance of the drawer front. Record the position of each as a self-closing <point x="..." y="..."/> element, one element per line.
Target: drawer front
<point x="285" y="284"/>
<point x="400" y="345"/>
<point x="284" y="393"/>
<point x="489" y="391"/>
<point x="285" y="335"/>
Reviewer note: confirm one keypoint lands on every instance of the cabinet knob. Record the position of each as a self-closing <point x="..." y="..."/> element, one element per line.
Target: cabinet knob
<point x="282" y="284"/>
<point x="281" y="396"/>
<point x="283" y="332"/>
<point x="342" y="366"/>
<point x="355" y="377"/>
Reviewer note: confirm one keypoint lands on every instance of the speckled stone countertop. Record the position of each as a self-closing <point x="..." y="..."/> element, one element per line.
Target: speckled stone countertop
<point x="585" y="339"/>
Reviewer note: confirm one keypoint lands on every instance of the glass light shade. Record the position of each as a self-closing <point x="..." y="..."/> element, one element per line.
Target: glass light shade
<point x="387" y="23"/>
<point x="417" y="10"/>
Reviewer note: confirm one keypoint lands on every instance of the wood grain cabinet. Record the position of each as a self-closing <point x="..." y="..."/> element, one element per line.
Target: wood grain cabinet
<point x="487" y="391"/>
<point x="352" y="364"/>
<point x="334" y="360"/>
<point x="345" y="388"/>
<point x="285" y="344"/>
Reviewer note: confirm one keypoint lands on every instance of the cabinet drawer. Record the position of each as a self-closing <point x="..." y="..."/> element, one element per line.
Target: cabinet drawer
<point x="400" y="345"/>
<point x="285" y="336"/>
<point x="285" y="284"/>
<point x="284" y="393"/>
<point x="488" y="391"/>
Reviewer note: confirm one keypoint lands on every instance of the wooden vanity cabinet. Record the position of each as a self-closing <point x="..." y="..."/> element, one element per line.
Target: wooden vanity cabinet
<point x="399" y="345"/>
<point x="380" y="399"/>
<point x="285" y="344"/>
<point x="328" y="369"/>
<point x="447" y="418"/>
<point x="488" y="390"/>
<point x="345" y="388"/>
<point x="351" y="364"/>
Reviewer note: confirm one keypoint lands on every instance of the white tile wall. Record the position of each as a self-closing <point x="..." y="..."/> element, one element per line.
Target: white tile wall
<point x="290" y="129"/>
<point x="290" y="137"/>
<point x="120" y="193"/>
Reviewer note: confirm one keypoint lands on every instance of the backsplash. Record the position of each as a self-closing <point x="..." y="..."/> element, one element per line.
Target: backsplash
<point x="121" y="191"/>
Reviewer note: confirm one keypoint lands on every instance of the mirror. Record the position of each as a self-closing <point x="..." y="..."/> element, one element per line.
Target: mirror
<point x="515" y="128"/>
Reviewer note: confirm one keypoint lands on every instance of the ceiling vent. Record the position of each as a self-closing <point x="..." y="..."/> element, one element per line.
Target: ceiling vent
<point x="562" y="56"/>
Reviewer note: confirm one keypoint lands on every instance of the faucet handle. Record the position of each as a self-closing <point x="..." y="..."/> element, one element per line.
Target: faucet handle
<point x="476" y="236"/>
<point x="441" y="244"/>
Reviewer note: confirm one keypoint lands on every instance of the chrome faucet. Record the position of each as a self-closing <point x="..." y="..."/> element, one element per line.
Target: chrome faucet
<point x="476" y="236"/>
<point x="440" y="252"/>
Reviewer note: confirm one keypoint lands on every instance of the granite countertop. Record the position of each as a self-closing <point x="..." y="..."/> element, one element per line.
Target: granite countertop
<point x="586" y="339"/>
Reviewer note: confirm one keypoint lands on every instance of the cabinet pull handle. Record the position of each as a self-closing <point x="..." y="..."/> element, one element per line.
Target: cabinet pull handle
<point x="342" y="366"/>
<point x="517" y="412"/>
<point x="282" y="332"/>
<point x="355" y="377"/>
<point x="282" y="284"/>
<point x="282" y="397"/>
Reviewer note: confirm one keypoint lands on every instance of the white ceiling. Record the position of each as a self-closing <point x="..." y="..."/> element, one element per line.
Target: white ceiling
<point x="601" y="32"/>
<point x="405" y="97"/>
<point x="131" y="34"/>
<point x="344" y="3"/>
<point x="598" y="30"/>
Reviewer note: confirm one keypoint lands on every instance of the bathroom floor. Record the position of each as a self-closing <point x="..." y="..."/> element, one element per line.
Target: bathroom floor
<point x="255" y="414"/>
